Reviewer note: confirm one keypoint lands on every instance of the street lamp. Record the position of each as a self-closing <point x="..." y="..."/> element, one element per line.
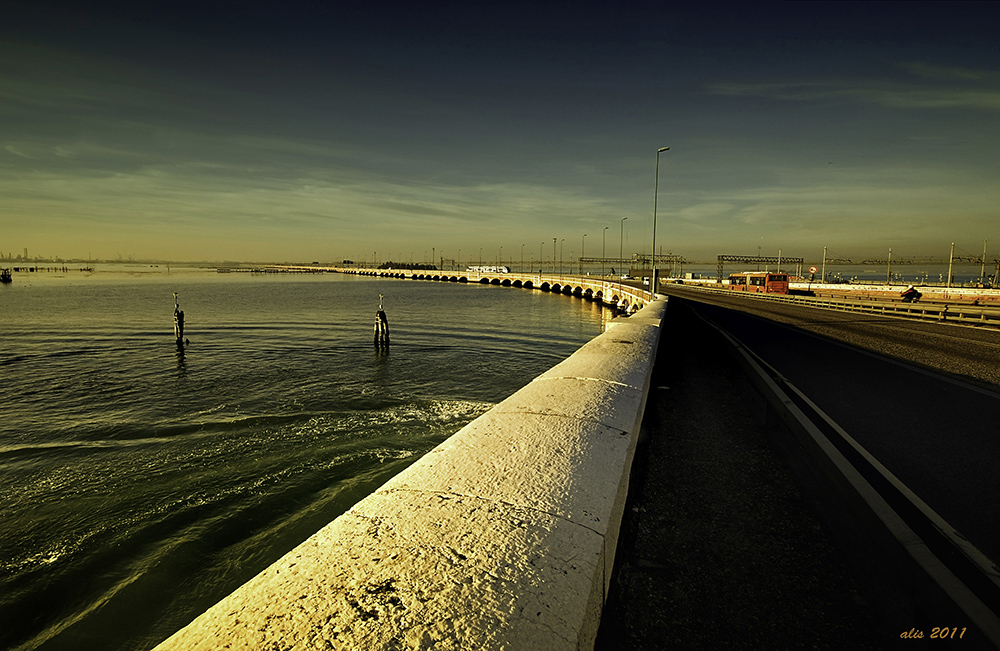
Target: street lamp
<point x="554" y="239"/>
<point x="561" y="254"/>
<point x="656" y="192"/>
<point x="583" y="252"/>
<point x="604" y="246"/>
<point x="621" y="243"/>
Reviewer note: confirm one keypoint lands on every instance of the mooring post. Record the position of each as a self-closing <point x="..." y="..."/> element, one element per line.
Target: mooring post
<point x="178" y="322"/>
<point x="381" y="325"/>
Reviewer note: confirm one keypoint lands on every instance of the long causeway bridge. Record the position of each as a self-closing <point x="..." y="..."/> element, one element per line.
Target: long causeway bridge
<point x="625" y="295"/>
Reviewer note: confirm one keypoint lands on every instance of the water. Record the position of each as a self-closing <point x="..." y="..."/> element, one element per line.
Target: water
<point x="139" y="483"/>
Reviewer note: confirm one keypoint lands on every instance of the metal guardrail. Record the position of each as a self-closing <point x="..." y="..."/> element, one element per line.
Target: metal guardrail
<point x="964" y="313"/>
<point x="947" y="571"/>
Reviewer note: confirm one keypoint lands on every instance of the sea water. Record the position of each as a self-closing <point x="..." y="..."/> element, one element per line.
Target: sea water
<point x="140" y="481"/>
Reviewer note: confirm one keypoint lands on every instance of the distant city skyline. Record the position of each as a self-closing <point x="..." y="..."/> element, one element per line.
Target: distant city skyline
<point x="303" y="132"/>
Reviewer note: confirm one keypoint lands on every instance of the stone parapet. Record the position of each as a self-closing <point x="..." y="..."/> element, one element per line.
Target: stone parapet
<point x="502" y="537"/>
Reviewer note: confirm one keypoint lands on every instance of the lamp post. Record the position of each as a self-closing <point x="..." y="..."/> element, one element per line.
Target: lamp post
<point x="554" y="240"/>
<point x="621" y="244"/>
<point x="656" y="192"/>
<point x="583" y="252"/>
<point x="604" y="247"/>
<point x="541" y="257"/>
<point x="561" y="254"/>
<point x="522" y="258"/>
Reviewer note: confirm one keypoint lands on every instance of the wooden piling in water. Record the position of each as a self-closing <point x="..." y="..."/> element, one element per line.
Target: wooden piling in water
<point x="178" y="322"/>
<point x="381" y="325"/>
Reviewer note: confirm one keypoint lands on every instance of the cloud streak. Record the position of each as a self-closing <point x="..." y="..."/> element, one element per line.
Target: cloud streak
<point x="973" y="89"/>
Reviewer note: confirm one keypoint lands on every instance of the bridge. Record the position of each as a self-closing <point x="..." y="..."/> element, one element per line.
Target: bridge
<point x="625" y="295"/>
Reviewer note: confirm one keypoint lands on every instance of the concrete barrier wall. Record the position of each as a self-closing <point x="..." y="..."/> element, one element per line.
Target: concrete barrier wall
<point x="502" y="537"/>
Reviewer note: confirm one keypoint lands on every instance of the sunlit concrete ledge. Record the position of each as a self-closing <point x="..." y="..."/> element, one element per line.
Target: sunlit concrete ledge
<point x="502" y="537"/>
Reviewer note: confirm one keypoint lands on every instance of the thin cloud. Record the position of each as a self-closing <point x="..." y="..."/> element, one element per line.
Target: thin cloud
<point x="978" y="89"/>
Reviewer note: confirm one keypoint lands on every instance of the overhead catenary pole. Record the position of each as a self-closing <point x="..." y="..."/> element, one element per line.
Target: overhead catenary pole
<point x="951" y="258"/>
<point x="982" y="267"/>
<point x="996" y="272"/>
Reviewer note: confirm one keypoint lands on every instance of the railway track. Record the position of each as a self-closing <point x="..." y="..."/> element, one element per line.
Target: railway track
<point x="968" y="313"/>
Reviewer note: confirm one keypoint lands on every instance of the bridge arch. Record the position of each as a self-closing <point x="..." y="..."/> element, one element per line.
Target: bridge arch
<point x="545" y="287"/>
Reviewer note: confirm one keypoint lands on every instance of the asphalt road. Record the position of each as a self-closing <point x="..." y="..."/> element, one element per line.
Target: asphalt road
<point x="722" y="548"/>
<point x="719" y="547"/>
<point x="967" y="353"/>
<point x="923" y="398"/>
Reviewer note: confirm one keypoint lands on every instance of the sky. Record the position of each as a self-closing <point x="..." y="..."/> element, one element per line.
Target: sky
<point x="304" y="131"/>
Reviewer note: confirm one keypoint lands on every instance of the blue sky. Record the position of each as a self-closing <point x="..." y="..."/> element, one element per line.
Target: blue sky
<point x="300" y="131"/>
